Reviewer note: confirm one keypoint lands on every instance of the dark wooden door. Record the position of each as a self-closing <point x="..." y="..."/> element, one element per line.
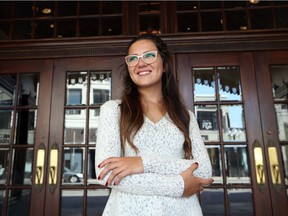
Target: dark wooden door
<point x="231" y="95"/>
<point x="49" y="117"/>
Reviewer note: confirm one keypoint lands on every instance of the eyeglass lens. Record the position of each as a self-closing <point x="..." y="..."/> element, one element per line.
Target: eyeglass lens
<point x="148" y="58"/>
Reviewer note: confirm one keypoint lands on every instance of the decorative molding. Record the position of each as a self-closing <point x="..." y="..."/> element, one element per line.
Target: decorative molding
<point x="117" y="46"/>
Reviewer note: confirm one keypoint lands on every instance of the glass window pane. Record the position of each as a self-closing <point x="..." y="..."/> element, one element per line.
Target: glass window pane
<point x="187" y="22"/>
<point x="76" y="88"/>
<point x="112" y="26"/>
<point x="44" y="29"/>
<point x="212" y="21"/>
<point x="7" y="12"/>
<point x="186" y="5"/>
<point x="100" y="87"/>
<point x="240" y="202"/>
<point x="66" y="28"/>
<point x="91" y="166"/>
<point x="73" y="166"/>
<point x="67" y="8"/>
<point x="45" y="9"/>
<point x="229" y="83"/>
<point x="22" y="30"/>
<point x="96" y="201"/>
<point x="281" y="17"/>
<point x="207" y="119"/>
<point x="233" y="124"/>
<point x="28" y="90"/>
<point x="215" y="158"/>
<point x="204" y="84"/>
<point x="279" y="77"/>
<point x="4" y="158"/>
<point x="75" y="124"/>
<point x="212" y="201"/>
<point x="236" y="164"/>
<point x="7" y="89"/>
<point x="89" y="7"/>
<point x="25" y="126"/>
<point x="24" y="9"/>
<point x="72" y="202"/>
<point x="22" y="166"/>
<point x="284" y="151"/>
<point x="236" y="20"/>
<point x="261" y="19"/>
<point x="149" y="6"/>
<point x="5" y="30"/>
<point x="112" y="7"/>
<point x="19" y="202"/>
<point x="150" y="23"/>
<point x="6" y="117"/>
<point x="282" y="121"/>
<point x="89" y="27"/>
<point x="93" y="124"/>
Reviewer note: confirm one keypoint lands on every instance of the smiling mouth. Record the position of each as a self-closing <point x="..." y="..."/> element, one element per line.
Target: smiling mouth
<point x="141" y="73"/>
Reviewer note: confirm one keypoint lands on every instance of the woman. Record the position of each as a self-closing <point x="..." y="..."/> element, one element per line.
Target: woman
<point x="149" y="148"/>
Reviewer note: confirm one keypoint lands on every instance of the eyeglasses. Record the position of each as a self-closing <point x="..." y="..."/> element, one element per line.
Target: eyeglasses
<point x="148" y="57"/>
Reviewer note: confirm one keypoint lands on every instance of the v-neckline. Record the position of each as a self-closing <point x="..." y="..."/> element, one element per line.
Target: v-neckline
<point x="155" y="123"/>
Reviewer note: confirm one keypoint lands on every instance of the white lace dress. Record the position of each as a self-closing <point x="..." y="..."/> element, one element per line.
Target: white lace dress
<point x="158" y="191"/>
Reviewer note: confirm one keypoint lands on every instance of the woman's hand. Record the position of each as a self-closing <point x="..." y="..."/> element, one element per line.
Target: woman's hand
<point x="120" y="167"/>
<point x="192" y="183"/>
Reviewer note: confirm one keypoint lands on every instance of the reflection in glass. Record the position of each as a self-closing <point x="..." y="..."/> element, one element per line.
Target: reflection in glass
<point x="207" y="119"/>
<point x="233" y="125"/>
<point x="96" y="201"/>
<point x="4" y="158"/>
<point x="76" y="88"/>
<point x="19" y="202"/>
<point x="240" y="202"/>
<point x="236" y="164"/>
<point x="284" y="150"/>
<point x="100" y="87"/>
<point x="91" y="166"/>
<point x="75" y="126"/>
<point x="93" y="124"/>
<point x="279" y="78"/>
<point x="204" y="84"/>
<point x="215" y="158"/>
<point x="212" y="201"/>
<point x="72" y="202"/>
<point x="22" y="166"/>
<point x="7" y="89"/>
<point x="28" y="89"/>
<point x="229" y="83"/>
<point x="73" y="166"/>
<point x="2" y="196"/>
<point x="5" y="126"/>
<point x="282" y="121"/>
<point x="25" y="126"/>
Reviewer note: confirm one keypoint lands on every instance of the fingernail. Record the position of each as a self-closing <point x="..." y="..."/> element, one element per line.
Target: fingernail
<point x="99" y="177"/>
<point x="98" y="166"/>
<point x="106" y="184"/>
<point x="115" y="184"/>
<point x="196" y="163"/>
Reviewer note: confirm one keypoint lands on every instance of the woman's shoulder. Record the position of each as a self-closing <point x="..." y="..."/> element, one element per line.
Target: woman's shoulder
<point x="111" y="105"/>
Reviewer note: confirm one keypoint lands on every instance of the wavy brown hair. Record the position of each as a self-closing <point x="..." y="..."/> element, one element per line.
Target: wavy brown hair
<point x="131" y="110"/>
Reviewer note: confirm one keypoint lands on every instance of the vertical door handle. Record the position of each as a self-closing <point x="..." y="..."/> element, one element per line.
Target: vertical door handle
<point x="274" y="165"/>
<point x="40" y="162"/>
<point x="53" y="167"/>
<point x="259" y="165"/>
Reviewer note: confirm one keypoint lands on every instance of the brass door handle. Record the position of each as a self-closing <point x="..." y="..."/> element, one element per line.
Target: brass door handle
<point x="53" y="167"/>
<point x="274" y="165"/>
<point x="40" y="162"/>
<point x="259" y="165"/>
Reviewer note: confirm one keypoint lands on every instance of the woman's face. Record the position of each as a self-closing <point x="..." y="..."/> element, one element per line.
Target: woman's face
<point x="143" y="74"/>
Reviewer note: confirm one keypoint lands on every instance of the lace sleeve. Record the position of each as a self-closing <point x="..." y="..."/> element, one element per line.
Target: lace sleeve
<point x="176" y="165"/>
<point x="108" y="145"/>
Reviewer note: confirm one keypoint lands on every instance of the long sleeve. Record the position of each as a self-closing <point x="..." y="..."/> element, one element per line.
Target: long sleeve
<point x="164" y="165"/>
<point x="108" y="145"/>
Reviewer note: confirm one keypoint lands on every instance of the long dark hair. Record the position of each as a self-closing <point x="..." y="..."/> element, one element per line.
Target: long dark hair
<point x="132" y="118"/>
